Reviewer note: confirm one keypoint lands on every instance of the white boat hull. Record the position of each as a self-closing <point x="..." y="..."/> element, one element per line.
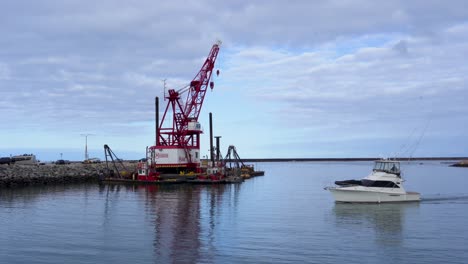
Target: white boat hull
<point x="352" y="195"/>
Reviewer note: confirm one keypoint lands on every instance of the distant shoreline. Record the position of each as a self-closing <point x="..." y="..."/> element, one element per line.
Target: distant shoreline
<point x="349" y="159"/>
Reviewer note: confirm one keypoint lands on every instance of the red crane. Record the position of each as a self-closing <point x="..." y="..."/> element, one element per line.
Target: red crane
<point x="178" y="143"/>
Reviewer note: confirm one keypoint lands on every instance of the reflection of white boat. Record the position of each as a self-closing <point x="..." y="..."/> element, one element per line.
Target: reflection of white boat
<point x="386" y="221"/>
<point x="384" y="184"/>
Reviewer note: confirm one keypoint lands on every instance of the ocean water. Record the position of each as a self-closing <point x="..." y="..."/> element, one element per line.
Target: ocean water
<point x="283" y="217"/>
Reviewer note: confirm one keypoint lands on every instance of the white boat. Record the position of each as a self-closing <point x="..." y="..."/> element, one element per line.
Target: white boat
<point x="383" y="185"/>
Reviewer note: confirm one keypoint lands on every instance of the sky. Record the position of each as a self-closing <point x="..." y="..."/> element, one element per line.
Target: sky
<point x="298" y="79"/>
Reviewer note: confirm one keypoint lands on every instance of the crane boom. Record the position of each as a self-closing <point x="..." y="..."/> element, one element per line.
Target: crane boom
<point x="199" y="85"/>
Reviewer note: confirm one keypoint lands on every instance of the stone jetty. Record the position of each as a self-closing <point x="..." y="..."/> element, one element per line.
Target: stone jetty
<point x="16" y="175"/>
<point x="463" y="163"/>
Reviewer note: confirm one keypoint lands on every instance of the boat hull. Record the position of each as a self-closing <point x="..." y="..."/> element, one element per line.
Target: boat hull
<point x="130" y="181"/>
<point x="343" y="195"/>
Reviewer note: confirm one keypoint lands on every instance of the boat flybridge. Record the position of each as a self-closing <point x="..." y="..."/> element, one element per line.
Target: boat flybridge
<point x="384" y="184"/>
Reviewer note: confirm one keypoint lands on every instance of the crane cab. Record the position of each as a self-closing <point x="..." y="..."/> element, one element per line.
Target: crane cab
<point x="194" y="126"/>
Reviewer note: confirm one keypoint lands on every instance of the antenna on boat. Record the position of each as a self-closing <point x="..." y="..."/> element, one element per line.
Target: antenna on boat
<point x="381" y="156"/>
<point x="420" y="138"/>
<point x="404" y="148"/>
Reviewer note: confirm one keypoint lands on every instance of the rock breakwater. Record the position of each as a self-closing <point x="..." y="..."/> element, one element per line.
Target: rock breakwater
<point x="25" y="175"/>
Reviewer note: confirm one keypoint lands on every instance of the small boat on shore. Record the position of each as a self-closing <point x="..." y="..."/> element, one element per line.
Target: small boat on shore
<point x="25" y="159"/>
<point x="384" y="184"/>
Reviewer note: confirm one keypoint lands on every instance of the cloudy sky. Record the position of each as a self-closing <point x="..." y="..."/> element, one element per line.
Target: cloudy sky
<point x="357" y="78"/>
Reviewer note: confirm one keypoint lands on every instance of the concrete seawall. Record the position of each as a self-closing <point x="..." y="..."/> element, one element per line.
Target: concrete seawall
<point x="25" y="175"/>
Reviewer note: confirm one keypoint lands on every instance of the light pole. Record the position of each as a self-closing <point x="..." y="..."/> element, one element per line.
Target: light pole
<point x="86" y="144"/>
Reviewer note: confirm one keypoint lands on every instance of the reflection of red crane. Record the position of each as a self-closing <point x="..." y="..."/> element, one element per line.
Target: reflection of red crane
<point x="178" y="144"/>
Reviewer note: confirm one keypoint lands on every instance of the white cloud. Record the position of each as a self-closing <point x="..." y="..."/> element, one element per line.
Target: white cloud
<point x="48" y="60"/>
<point x="70" y="76"/>
<point x="351" y="97"/>
<point x="458" y="31"/>
<point x="142" y="80"/>
<point x="4" y="71"/>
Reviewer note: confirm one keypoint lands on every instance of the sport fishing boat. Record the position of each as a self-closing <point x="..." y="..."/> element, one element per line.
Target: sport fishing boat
<point x="384" y="184"/>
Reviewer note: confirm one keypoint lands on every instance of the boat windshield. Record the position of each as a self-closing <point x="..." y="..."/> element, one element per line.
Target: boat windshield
<point x="387" y="166"/>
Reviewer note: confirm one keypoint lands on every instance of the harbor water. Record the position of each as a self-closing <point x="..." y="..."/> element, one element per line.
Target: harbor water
<point x="285" y="216"/>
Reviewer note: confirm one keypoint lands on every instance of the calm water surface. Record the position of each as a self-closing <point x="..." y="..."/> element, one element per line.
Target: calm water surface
<point x="283" y="217"/>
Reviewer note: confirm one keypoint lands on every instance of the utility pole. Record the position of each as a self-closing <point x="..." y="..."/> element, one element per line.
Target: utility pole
<point x="86" y="144"/>
<point x="218" y="150"/>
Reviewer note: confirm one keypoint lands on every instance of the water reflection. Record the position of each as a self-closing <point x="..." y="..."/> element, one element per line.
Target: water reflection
<point x="385" y="221"/>
<point x="27" y="196"/>
<point x="184" y="217"/>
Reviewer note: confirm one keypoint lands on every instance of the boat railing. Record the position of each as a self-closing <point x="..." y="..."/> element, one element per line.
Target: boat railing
<point x="396" y="172"/>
